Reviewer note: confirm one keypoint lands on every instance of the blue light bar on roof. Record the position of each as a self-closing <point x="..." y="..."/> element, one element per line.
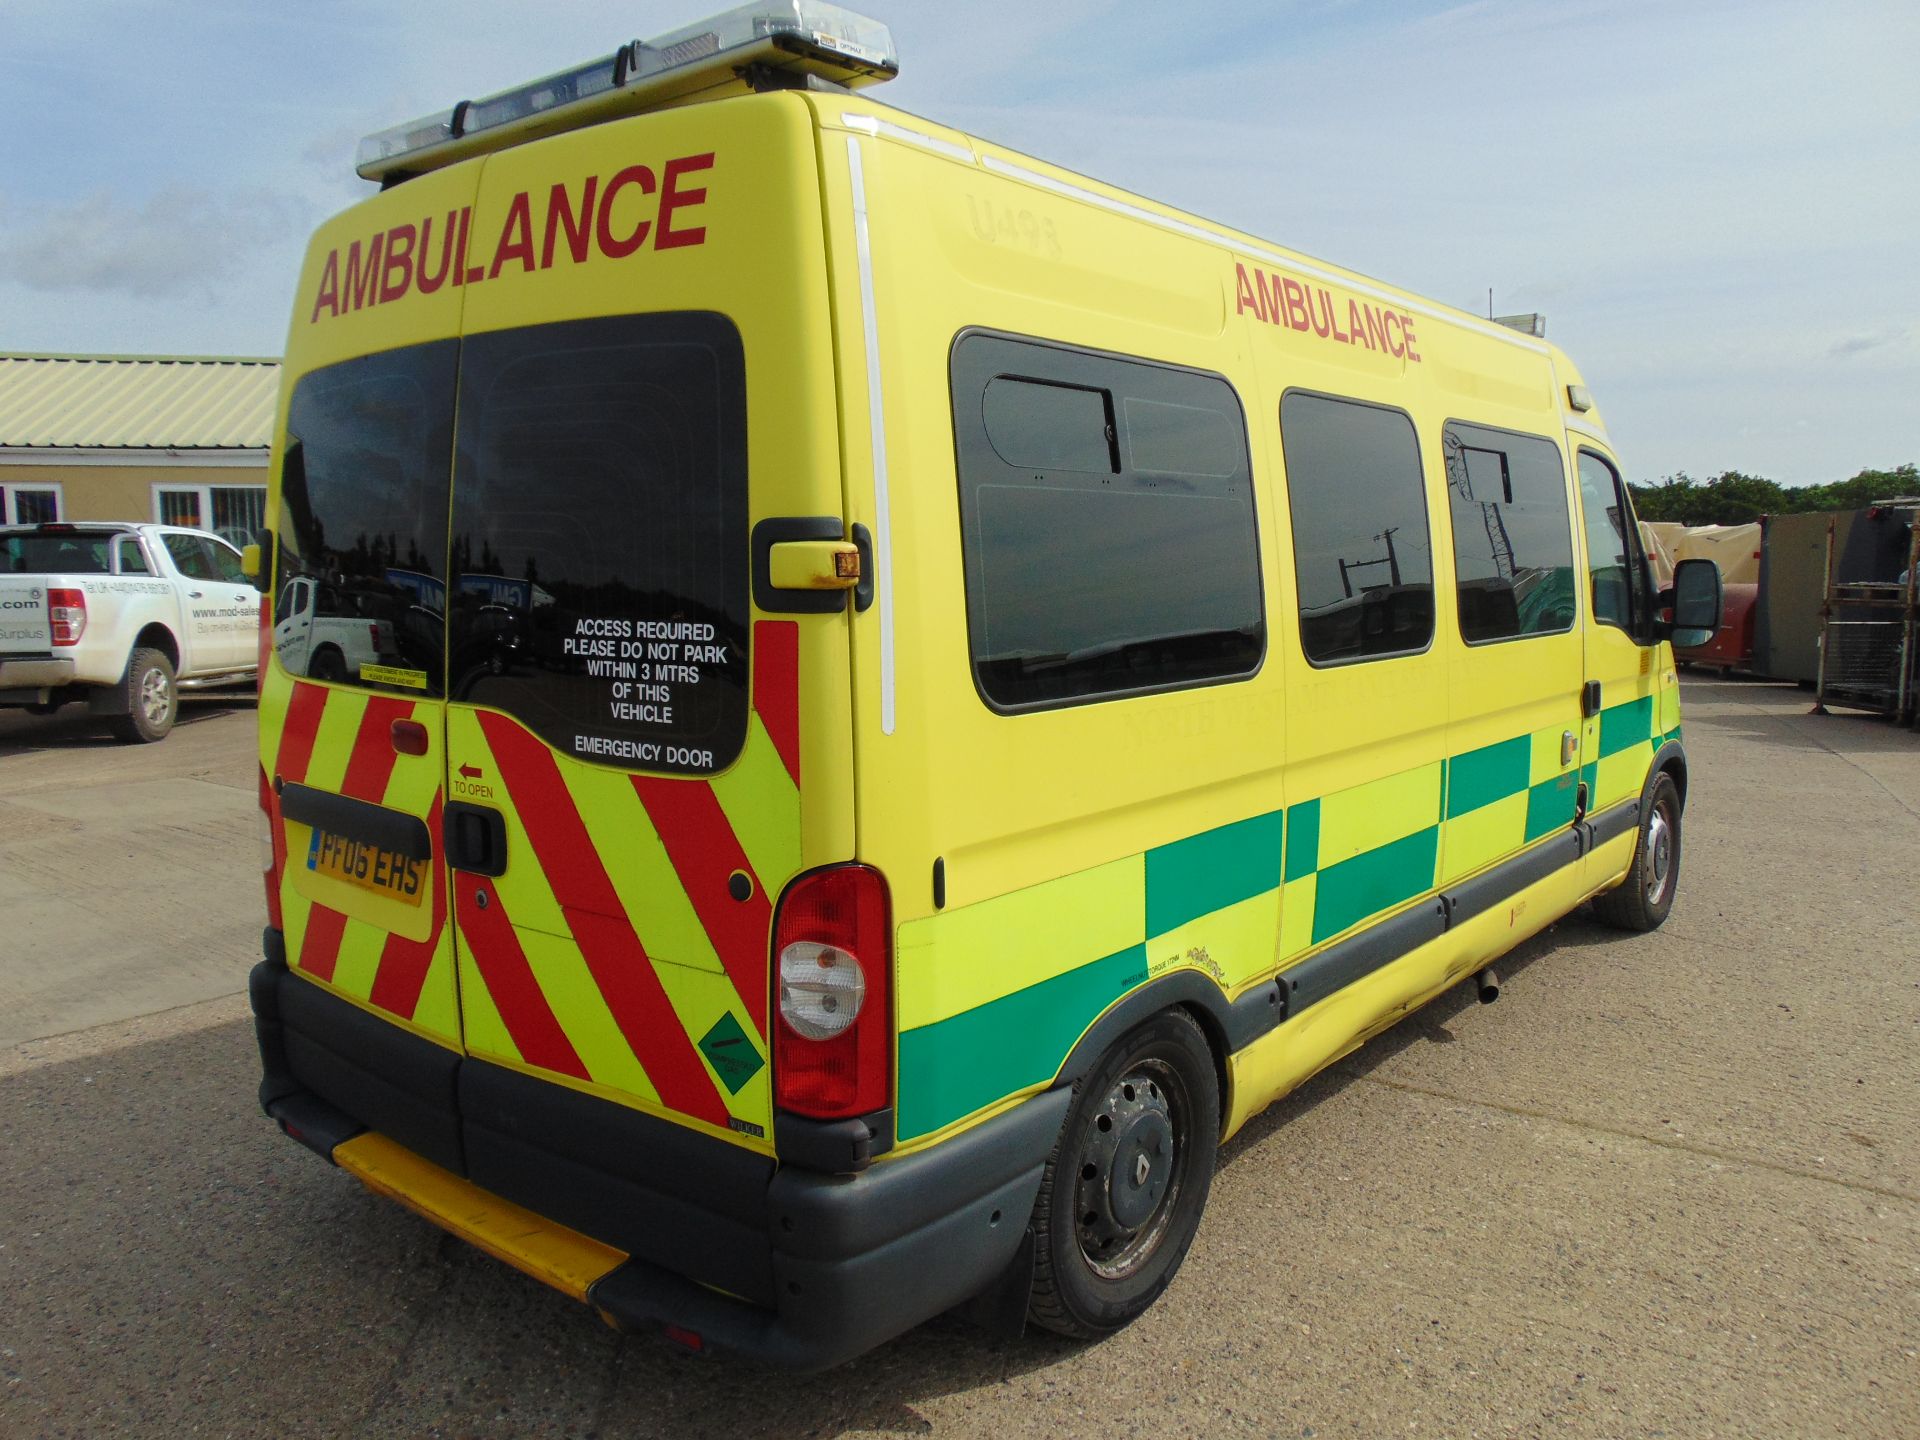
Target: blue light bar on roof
<point x="798" y="37"/>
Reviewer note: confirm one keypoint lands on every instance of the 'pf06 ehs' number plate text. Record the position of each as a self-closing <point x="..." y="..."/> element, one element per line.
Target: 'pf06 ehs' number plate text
<point x="367" y="866"/>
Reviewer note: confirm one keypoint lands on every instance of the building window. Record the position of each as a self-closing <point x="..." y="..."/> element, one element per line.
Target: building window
<point x="1362" y="549"/>
<point x="29" y="504"/>
<point x="1107" y="523"/>
<point x="236" y="513"/>
<point x="1512" y="542"/>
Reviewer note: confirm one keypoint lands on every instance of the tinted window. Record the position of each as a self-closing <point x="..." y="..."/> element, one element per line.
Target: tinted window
<point x="80" y="553"/>
<point x="363" y="508"/>
<point x="1175" y="439"/>
<point x="226" y="562"/>
<point x="1361" y="547"/>
<point x="600" y="573"/>
<point x="1086" y="580"/>
<point x="1512" y="545"/>
<point x="133" y="560"/>
<point x="1037" y="426"/>
<point x="189" y="556"/>
<point x="1613" y="549"/>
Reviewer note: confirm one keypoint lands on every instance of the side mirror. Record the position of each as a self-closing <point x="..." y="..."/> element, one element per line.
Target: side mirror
<point x="1696" y="602"/>
<point x="256" y="562"/>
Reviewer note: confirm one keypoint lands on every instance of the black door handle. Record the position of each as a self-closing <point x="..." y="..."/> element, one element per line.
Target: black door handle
<point x="476" y="838"/>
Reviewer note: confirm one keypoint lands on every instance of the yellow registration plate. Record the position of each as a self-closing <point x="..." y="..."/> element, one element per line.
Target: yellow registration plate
<point x="368" y="866"/>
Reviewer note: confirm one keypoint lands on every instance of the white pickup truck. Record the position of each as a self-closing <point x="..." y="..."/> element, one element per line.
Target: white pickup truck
<point x="123" y="617"/>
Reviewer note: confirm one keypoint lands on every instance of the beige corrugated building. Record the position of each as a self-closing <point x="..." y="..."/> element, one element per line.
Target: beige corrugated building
<point x="181" y="440"/>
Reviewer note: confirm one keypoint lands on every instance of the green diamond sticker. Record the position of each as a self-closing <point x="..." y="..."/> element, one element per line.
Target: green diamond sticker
<point x="730" y="1053"/>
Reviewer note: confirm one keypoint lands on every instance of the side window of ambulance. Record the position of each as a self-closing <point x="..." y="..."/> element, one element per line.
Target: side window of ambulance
<point x="1613" y="552"/>
<point x="363" y="513"/>
<point x="1512" y="540"/>
<point x="1362" y="549"/>
<point x="600" y="588"/>
<point x="1107" y="524"/>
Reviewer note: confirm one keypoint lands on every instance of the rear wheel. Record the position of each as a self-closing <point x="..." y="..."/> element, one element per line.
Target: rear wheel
<point x="1127" y="1180"/>
<point x="327" y="664"/>
<point x="1642" y="901"/>
<point x="152" y="701"/>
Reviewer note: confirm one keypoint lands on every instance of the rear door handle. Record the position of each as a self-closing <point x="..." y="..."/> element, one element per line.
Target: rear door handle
<point x="476" y="838"/>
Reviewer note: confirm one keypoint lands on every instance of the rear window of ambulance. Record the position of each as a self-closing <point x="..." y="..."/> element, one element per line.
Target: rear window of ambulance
<point x="363" y="512"/>
<point x="599" y="574"/>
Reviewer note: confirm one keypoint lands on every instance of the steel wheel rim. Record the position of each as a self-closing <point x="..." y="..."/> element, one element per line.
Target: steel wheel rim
<point x="1659" y="855"/>
<point x="156" y="697"/>
<point x="1120" y="1170"/>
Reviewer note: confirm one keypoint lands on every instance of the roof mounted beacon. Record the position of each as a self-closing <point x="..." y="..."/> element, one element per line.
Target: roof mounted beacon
<point x="755" y="47"/>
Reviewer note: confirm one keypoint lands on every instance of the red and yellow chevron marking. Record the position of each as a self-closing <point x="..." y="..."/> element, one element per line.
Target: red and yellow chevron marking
<point x="340" y="739"/>
<point x="607" y="960"/>
<point x="613" y="943"/>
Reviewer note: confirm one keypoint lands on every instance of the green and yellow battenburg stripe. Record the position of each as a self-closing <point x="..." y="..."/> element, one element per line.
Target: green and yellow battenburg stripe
<point x="993" y="996"/>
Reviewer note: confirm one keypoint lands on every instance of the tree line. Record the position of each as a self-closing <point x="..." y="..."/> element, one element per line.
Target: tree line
<point x="1734" y="498"/>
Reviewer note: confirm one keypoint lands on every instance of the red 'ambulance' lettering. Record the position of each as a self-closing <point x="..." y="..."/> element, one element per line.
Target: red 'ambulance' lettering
<point x="614" y="217"/>
<point x="1284" y="301"/>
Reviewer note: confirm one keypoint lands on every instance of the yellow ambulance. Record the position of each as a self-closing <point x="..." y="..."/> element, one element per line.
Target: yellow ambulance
<point x="897" y="694"/>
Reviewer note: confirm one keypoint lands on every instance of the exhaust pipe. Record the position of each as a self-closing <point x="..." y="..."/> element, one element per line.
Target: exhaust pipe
<point x="1487" y="985"/>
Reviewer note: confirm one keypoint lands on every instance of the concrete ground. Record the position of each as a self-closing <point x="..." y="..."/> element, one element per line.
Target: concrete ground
<point x="1668" y="1185"/>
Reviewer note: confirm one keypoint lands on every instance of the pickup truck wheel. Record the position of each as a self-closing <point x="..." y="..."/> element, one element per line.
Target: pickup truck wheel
<point x="327" y="664"/>
<point x="1124" y="1188"/>
<point x="152" y="701"/>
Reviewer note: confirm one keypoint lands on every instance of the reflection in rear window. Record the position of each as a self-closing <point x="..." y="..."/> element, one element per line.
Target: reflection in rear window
<point x="599" y="586"/>
<point x="363" y="515"/>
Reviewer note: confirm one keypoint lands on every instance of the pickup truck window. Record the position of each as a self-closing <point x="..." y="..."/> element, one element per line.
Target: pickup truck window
<point x="132" y="559"/>
<point x="68" y="554"/>
<point x="226" y="563"/>
<point x="189" y="555"/>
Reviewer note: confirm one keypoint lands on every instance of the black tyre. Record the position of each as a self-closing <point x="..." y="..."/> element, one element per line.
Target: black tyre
<point x="1127" y="1180"/>
<point x="1642" y="900"/>
<point x="327" y="664"/>
<point x="152" y="701"/>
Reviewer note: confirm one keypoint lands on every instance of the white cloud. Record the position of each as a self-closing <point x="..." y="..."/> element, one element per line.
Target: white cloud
<point x="176" y="242"/>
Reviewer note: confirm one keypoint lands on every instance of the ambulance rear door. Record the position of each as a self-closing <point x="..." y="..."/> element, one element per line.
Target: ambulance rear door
<point x="352" y="720"/>
<point x="645" y="376"/>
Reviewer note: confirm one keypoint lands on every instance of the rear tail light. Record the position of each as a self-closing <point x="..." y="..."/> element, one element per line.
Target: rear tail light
<point x="833" y="958"/>
<point x="67" y="609"/>
<point x="273" y="852"/>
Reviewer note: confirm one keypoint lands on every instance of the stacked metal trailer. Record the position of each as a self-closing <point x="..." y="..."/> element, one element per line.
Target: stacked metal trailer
<point x="1870" y="614"/>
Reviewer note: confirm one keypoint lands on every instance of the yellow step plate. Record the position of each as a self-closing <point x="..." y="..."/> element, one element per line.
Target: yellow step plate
<point x="550" y="1253"/>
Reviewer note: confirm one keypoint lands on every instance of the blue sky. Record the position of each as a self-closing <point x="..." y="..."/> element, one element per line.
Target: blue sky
<point x="1717" y="205"/>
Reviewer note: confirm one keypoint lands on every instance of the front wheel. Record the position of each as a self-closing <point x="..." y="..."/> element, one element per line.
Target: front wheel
<point x="1127" y="1180"/>
<point x="152" y="701"/>
<point x="1642" y="900"/>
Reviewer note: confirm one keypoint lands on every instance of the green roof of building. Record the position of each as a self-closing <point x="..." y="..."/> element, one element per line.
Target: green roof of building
<point x="137" y="402"/>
